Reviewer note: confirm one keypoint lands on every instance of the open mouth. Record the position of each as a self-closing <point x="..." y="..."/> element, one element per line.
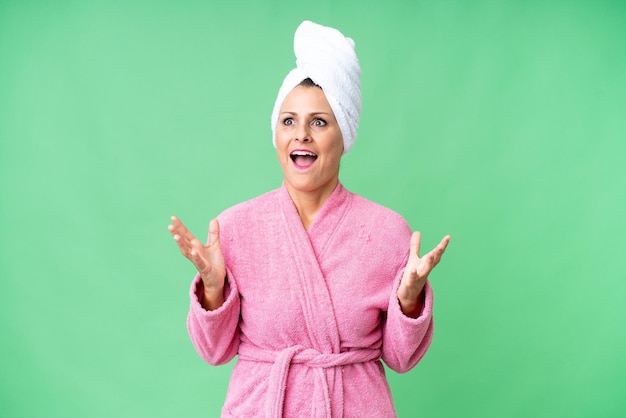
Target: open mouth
<point x="302" y="158"/>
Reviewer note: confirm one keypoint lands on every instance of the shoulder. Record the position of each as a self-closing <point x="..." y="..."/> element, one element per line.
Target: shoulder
<point x="384" y="230"/>
<point x="254" y="208"/>
<point x="244" y="224"/>
<point x="377" y="213"/>
<point x="383" y="234"/>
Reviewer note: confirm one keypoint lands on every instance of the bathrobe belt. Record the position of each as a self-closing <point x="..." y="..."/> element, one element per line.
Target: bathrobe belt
<point x="297" y="354"/>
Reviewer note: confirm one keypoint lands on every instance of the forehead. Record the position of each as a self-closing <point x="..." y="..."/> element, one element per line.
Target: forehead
<point x="308" y="99"/>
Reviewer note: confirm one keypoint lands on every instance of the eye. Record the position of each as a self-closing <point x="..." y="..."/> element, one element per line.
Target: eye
<point x="319" y="122"/>
<point x="288" y="121"/>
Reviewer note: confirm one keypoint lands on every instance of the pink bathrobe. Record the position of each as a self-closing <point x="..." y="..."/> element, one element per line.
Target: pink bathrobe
<point x="311" y="313"/>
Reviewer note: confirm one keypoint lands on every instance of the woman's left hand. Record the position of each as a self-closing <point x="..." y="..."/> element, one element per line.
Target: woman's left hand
<point x="415" y="274"/>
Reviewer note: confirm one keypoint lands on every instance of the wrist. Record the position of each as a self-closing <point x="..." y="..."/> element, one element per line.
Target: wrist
<point x="212" y="298"/>
<point x="412" y="307"/>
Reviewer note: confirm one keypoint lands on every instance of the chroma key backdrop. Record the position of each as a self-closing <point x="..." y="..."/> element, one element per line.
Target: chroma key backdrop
<point x="502" y="123"/>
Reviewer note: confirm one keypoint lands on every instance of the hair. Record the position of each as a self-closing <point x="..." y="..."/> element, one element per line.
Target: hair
<point x="307" y="82"/>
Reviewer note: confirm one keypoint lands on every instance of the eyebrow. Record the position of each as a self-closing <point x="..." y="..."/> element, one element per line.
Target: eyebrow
<point x="311" y="114"/>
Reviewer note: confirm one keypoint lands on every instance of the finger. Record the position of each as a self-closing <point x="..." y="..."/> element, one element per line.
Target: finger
<point x="426" y="264"/>
<point x="181" y="229"/>
<point x="444" y="242"/>
<point x="441" y="248"/>
<point x="176" y="223"/>
<point x="415" y="243"/>
<point x="184" y="248"/>
<point x="196" y="253"/>
<point x="179" y="237"/>
<point x="176" y="227"/>
<point x="186" y="237"/>
<point x="410" y="276"/>
<point x="214" y="232"/>
<point x="173" y="226"/>
<point x="180" y="233"/>
<point x="430" y="260"/>
<point x="198" y="262"/>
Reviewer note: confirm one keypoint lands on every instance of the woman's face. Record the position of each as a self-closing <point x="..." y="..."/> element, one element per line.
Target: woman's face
<point x="309" y="143"/>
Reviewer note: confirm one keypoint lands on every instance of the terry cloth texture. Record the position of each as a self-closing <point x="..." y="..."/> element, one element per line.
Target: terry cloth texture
<point x="311" y="314"/>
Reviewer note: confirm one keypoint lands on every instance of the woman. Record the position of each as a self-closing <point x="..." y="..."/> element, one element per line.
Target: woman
<point x="311" y="285"/>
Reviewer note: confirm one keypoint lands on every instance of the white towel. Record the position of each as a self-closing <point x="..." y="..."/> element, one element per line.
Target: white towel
<point x="327" y="57"/>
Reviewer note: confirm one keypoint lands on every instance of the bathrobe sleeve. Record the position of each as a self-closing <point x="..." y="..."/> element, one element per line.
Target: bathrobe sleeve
<point x="405" y="339"/>
<point x="214" y="334"/>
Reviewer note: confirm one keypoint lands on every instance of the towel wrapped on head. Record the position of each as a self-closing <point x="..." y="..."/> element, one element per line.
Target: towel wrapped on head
<point x="327" y="57"/>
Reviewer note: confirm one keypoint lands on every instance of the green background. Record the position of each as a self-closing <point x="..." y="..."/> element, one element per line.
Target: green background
<point x="501" y="123"/>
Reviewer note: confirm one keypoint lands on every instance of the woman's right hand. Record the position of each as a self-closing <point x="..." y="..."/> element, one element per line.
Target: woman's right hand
<point x="208" y="260"/>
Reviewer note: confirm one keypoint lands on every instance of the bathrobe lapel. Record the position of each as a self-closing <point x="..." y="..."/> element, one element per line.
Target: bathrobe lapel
<point x="307" y="249"/>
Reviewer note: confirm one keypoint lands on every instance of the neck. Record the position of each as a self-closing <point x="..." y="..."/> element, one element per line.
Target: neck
<point x="309" y="203"/>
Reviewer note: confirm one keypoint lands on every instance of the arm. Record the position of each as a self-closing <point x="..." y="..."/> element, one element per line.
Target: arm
<point x="214" y="333"/>
<point x="208" y="260"/>
<point x="213" y="316"/>
<point x="416" y="274"/>
<point x="408" y="328"/>
<point x="406" y="339"/>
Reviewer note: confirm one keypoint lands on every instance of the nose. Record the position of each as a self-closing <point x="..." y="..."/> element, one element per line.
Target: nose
<point x="303" y="134"/>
